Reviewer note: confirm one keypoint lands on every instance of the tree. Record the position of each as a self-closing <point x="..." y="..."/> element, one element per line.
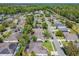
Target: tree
<point x="22" y="42"/>
<point x="13" y="25"/>
<point x="2" y="28"/>
<point x="20" y="52"/>
<point x="33" y="53"/>
<point x="29" y="20"/>
<point x="34" y="38"/>
<point x="6" y="34"/>
<point x="66" y="10"/>
<point x="1" y="39"/>
<point x="44" y="25"/>
<point x="47" y="15"/>
<point x="69" y="24"/>
<point x="71" y="49"/>
<point x="59" y="33"/>
<point x="46" y="33"/>
<point x="26" y="38"/>
<point x="27" y="29"/>
<point x="6" y="24"/>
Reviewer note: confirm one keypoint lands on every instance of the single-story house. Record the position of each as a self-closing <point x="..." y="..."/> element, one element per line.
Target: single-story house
<point x="38" y="49"/>
<point x="60" y="26"/>
<point x="38" y="34"/>
<point x="13" y="37"/>
<point x="69" y="36"/>
<point x="7" y="48"/>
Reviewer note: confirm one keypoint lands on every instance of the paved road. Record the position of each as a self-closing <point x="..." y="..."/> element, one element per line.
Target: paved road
<point x="55" y="41"/>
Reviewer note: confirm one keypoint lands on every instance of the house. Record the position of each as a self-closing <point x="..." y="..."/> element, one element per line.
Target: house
<point x="36" y="12"/>
<point x="38" y="34"/>
<point x="61" y="27"/>
<point x="13" y="37"/>
<point x="9" y="19"/>
<point x="7" y="49"/>
<point x="59" y="24"/>
<point x="52" y="17"/>
<point x="38" y="49"/>
<point x="41" y="12"/>
<point x="70" y="36"/>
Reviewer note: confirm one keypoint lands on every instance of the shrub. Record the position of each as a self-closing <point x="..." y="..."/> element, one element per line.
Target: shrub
<point x="1" y="39"/>
<point x="44" y="25"/>
<point x="34" y="38"/>
<point x="71" y="49"/>
<point x="46" y="33"/>
<point x="2" y="28"/>
<point x="33" y="53"/>
<point x="59" y="33"/>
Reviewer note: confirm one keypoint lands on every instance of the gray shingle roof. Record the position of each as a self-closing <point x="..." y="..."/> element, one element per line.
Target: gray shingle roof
<point x="70" y="36"/>
<point x="60" y="26"/>
<point x="5" y="51"/>
<point x="64" y="29"/>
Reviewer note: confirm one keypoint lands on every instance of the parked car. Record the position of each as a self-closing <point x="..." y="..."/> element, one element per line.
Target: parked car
<point x="52" y="37"/>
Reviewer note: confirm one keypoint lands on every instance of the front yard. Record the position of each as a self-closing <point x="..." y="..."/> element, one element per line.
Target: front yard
<point x="65" y="43"/>
<point x="48" y="45"/>
<point x="60" y="38"/>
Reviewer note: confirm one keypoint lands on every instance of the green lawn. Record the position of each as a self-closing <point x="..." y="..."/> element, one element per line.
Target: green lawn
<point x="47" y="44"/>
<point x="53" y="46"/>
<point x="60" y="37"/>
<point x="65" y="43"/>
<point x="72" y="31"/>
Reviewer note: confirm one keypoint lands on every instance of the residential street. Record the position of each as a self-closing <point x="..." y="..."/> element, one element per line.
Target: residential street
<point x="57" y="44"/>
